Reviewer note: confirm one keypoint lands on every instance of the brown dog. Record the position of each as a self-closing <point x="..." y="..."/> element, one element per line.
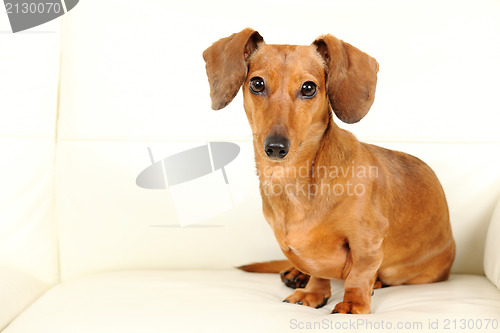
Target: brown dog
<point x="339" y="208"/>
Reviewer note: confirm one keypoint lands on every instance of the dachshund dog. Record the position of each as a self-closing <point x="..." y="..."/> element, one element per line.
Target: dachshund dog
<point x="339" y="208"/>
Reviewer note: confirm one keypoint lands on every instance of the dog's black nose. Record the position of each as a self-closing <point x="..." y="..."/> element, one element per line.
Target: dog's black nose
<point x="276" y="147"/>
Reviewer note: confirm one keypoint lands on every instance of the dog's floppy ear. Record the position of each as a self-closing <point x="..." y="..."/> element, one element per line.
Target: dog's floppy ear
<point x="351" y="78"/>
<point x="227" y="65"/>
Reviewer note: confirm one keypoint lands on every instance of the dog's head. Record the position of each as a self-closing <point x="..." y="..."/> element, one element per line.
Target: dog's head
<point x="288" y="90"/>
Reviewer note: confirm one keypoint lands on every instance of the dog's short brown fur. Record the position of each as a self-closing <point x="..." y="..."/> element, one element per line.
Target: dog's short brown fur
<point x="339" y="208"/>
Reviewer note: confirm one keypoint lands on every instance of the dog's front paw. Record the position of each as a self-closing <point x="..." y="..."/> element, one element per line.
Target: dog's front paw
<point x="302" y="297"/>
<point x="294" y="278"/>
<point x="346" y="307"/>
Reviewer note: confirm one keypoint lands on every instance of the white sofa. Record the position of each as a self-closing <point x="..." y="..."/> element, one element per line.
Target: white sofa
<point x="83" y="248"/>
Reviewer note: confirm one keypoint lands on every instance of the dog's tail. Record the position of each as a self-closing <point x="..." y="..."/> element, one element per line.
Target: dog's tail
<point x="275" y="266"/>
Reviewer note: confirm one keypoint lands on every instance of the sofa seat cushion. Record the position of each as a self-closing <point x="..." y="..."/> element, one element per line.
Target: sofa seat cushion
<point x="17" y="291"/>
<point x="235" y="301"/>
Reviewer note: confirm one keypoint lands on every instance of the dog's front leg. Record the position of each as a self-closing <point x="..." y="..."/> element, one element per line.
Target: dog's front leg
<point x="367" y="255"/>
<point x="315" y="294"/>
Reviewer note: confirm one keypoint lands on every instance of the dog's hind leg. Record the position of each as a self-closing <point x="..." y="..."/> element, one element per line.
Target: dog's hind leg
<point x="293" y="278"/>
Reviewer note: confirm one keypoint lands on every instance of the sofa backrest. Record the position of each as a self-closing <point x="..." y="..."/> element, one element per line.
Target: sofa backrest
<point x="134" y="92"/>
<point x="29" y="73"/>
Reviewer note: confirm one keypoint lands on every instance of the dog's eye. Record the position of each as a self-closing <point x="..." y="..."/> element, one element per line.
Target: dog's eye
<point x="308" y="89"/>
<point x="257" y="85"/>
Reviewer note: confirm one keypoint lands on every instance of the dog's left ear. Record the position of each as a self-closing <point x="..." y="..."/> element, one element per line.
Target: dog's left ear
<point x="351" y="78"/>
<point x="227" y="65"/>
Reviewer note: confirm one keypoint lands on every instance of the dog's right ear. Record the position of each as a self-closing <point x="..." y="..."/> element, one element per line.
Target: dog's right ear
<point x="227" y="65"/>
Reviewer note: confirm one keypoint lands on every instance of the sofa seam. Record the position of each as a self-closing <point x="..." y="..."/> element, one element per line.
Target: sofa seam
<point x="55" y="159"/>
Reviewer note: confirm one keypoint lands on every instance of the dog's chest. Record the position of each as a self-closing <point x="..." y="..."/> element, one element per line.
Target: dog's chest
<point x="305" y="235"/>
<point x="312" y="246"/>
